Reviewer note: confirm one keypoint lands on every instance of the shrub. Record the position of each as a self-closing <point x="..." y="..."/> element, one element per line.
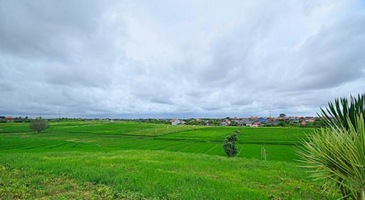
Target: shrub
<point x="336" y="154"/>
<point x="230" y="144"/>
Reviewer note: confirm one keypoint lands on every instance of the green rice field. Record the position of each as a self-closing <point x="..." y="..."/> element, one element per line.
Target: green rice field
<point x="130" y="160"/>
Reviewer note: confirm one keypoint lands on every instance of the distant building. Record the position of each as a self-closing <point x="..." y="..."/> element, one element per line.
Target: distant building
<point x="262" y="120"/>
<point x="175" y="122"/>
<point x="256" y="124"/>
<point x="244" y="122"/>
<point x="224" y="123"/>
<point x="303" y="123"/>
<point x="9" y="118"/>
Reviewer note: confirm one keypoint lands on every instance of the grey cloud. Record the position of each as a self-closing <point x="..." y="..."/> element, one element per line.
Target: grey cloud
<point x="161" y="101"/>
<point x="334" y="55"/>
<point x="38" y="20"/>
<point x="212" y="59"/>
<point x="64" y="31"/>
<point x="5" y="87"/>
<point x="78" y="76"/>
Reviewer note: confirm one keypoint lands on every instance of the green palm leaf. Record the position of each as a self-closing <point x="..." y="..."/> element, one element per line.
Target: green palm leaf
<point x="336" y="155"/>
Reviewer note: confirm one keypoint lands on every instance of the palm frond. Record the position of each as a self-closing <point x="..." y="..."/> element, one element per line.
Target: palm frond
<point x="336" y="156"/>
<point x="341" y="109"/>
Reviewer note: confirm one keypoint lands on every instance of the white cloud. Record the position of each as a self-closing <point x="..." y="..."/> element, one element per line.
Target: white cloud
<point x="203" y="58"/>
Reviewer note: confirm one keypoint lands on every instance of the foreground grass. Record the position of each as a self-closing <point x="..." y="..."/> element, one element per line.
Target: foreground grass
<point x="33" y="184"/>
<point x="139" y="174"/>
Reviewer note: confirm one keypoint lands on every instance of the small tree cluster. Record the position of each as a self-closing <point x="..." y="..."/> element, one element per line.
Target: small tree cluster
<point x="230" y="144"/>
<point x="39" y="125"/>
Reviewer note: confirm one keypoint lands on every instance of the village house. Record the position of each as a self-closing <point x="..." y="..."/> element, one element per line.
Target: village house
<point x="175" y="122"/>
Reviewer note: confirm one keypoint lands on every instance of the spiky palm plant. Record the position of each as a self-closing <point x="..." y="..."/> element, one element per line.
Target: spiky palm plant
<point x="336" y="156"/>
<point x="337" y="113"/>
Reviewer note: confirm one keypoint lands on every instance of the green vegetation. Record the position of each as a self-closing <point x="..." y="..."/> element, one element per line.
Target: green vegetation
<point x="337" y="158"/>
<point x="109" y="136"/>
<point x="229" y="145"/>
<point x="39" y="125"/>
<point x="116" y="160"/>
<point x="33" y="184"/>
<point x="343" y="112"/>
<point x="336" y="155"/>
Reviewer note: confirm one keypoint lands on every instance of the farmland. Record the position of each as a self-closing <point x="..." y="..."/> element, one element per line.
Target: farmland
<point x="116" y="160"/>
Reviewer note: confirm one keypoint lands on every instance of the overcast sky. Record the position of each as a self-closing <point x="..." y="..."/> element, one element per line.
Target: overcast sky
<point x="187" y="58"/>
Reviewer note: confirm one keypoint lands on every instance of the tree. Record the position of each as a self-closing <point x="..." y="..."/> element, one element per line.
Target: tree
<point x="230" y="144"/>
<point x="215" y="122"/>
<point x="282" y="115"/>
<point x="193" y="122"/>
<point x="39" y="125"/>
<point x="233" y="123"/>
<point x="282" y="123"/>
<point x="336" y="155"/>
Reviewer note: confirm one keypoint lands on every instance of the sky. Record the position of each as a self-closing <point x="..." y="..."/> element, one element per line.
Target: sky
<point x="181" y="58"/>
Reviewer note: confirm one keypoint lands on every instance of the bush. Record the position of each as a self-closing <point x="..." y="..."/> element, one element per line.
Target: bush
<point x="230" y="144"/>
<point x="336" y="155"/>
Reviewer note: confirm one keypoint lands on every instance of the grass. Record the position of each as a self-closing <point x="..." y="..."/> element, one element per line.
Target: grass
<point x="107" y="136"/>
<point x="169" y="175"/>
<point x="106" y="160"/>
<point x="32" y="184"/>
<point x="248" y="135"/>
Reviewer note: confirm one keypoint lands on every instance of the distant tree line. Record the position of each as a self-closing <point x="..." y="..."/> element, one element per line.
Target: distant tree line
<point x="317" y="123"/>
<point x="282" y="121"/>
